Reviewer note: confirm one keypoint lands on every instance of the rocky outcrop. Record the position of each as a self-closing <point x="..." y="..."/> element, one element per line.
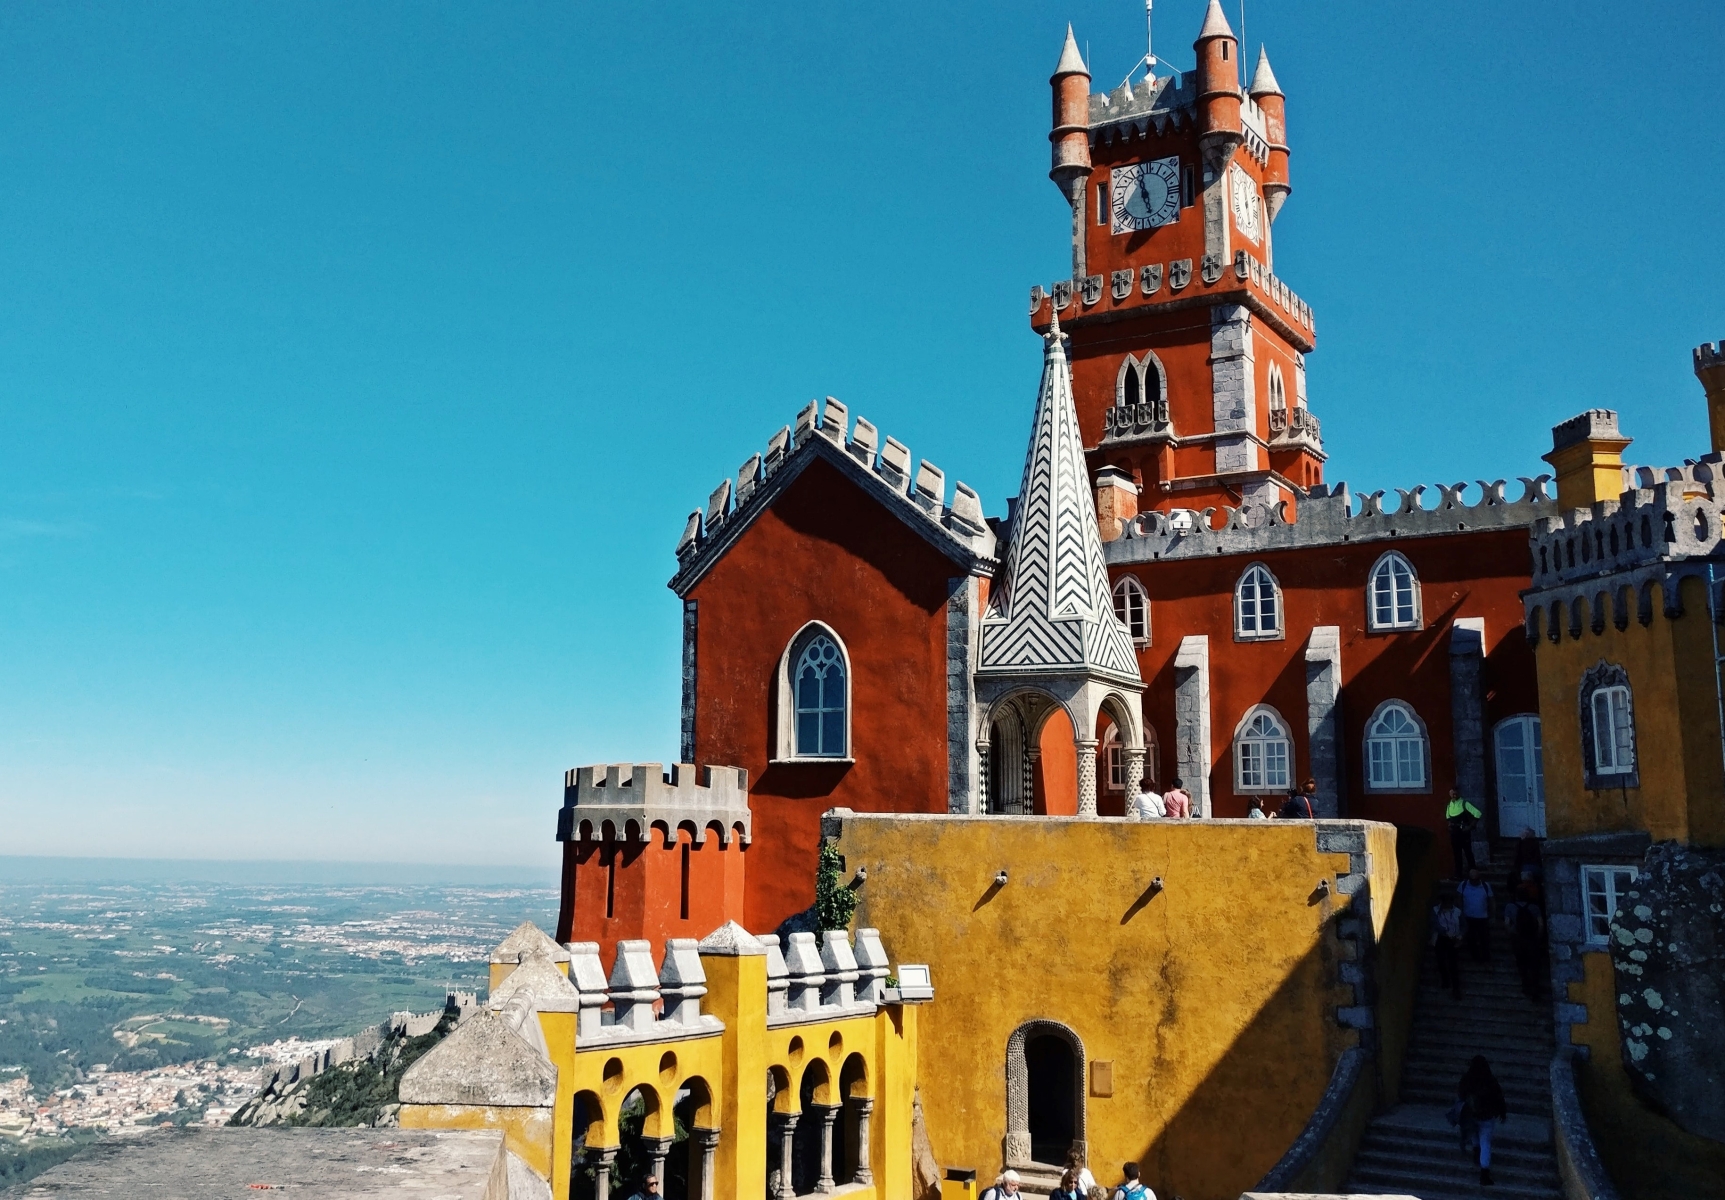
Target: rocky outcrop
<point x="1668" y="947"/>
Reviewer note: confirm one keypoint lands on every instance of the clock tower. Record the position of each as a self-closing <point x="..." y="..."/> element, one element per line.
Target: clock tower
<point x="1188" y="352"/>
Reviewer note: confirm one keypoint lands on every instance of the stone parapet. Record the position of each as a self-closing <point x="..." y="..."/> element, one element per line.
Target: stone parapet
<point x="626" y="801"/>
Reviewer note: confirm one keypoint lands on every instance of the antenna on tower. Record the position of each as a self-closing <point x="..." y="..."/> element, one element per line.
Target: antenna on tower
<point x="1149" y="37"/>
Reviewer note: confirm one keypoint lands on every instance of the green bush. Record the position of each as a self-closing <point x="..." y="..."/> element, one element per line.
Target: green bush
<point x="835" y="903"/>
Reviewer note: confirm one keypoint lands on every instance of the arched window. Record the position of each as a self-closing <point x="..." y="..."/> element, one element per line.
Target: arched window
<point x="1608" y="758"/>
<point x="1132" y="609"/>
<point x="1393" y="595"/>
<point x="1257" y="605"/>
<point x="1155" y="389"/>
<point x="1396" y="756"/>
<point x="1278" y="389"/>
<point x="814" y="697"/>
<point x="1114" y="760"/>
<point x="1130" y="394"/>
<point x="1263" y="753"/>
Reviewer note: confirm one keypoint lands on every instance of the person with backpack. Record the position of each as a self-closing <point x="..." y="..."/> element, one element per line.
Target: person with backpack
<point x="1526" y="925"/>
<point x="1446" y="939"/>
<point x="1479" y="1107"/>
<point x="1476" y="896"/>
<point x="1005" y="1186"/>
<point x="1130" y="1187"/>
<point x="1461" y="816"/>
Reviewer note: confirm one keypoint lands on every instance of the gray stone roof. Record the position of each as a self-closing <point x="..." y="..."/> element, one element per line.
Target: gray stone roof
<point x="1263" y="79"/>
<point x="482" y="1061"/>
<point x="525" y="939"/>
<point x="1071" y="62"/>
<point x="1215" y="22"/>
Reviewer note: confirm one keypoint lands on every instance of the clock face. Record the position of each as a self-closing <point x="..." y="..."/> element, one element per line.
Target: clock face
<point x="1146" y="194"/>
<point x="1248" y="206"/>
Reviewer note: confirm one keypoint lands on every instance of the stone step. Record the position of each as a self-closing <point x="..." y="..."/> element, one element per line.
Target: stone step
<point x="1415" y="1145"/>
<point x="1443" y="1187"/>
<point x="1458" y="1169"/>
<point x="1537" y="1165"/>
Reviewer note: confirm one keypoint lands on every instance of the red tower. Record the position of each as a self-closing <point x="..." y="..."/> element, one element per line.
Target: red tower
<point x="1188" y="353"/>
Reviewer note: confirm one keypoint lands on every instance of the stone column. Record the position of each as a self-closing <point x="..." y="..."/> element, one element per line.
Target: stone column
<point x="787" y="1154"/>
<point x="828" y="1114"/>
<point x="1134" y="775"/>
<point x="982" y="778"/>
<point x="1192" y="719"/>
<point x="966" y="789"/>
<point x="657" y="1149"/>
<point x="1027" y="798"/>
<point x="708" y="1141"/>
<point x="601" y="1159"/>
<point x="1324" y="717"/>
<point x="1086" y="776"/>
<point x="1467" y="722"/>
<point x="864" y="1107"/>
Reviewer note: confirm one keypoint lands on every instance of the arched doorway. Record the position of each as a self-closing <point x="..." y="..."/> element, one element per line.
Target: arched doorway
<point x="1044" y="1094"/>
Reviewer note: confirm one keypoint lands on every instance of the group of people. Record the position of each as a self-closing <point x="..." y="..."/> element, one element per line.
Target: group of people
<point x="1152" y="805"/>
<point x="1076" y="1183"/>
<point x="1462" y="920"/>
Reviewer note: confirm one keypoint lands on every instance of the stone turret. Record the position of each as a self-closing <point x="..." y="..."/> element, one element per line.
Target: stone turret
<point x="1218" y="52"/>
<point x="1587" y="457"/>
<point x="1710" y="370"/>
<point x="1267" y="93"/>
<point x="1071" y="138"/>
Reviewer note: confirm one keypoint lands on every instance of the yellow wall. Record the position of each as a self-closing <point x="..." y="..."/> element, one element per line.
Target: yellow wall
<point x="1214" y="1000"/>
<point x="1670" y="667"/>
<point x="526" y="1131"/>
<point x="1647" y="1156"/>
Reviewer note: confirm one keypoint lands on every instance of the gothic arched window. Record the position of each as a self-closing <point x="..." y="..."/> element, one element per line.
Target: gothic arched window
<point x="1393" y="595"/>
<point x="1257" y="605"/>
<point x="1608" y="758"/>
<point x="814" y="696"/>
<point x="1263" y="753"/>
<point x="1132" y="609"/>
<point x="1396" y="754"/>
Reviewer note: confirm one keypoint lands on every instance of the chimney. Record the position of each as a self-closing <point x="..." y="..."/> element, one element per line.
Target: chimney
<point x="1116" y="502"/>
<point x="1587" y="455"/>
<point x="1710" y="370"/>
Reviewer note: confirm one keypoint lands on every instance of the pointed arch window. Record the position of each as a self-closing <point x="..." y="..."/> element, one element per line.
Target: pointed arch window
<point x="1608" y="751"/>
<point x="1257" y="605"/>
<point x="1263" y="752"/>
<point x="1393" y="594"/>
<point x="1278" y="389"/>
<point x="1397" y="755"/>
<point x="814" y="697"/>
<point x="1132" y="609"/>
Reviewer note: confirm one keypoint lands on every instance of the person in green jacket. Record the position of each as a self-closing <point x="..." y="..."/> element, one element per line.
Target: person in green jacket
<point x="1461" y="816"/>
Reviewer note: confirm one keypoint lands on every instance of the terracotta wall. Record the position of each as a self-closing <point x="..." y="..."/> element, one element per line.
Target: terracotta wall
<point x="824" y="552"/>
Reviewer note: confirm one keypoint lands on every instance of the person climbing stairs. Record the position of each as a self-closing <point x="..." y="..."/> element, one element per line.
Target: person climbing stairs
<point x="1412" y="1149"/>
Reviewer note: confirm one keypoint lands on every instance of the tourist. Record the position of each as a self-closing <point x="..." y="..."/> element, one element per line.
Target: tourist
<point x="1479" y="1105"/>
<point x="1178" y="802"/>
<point x="1080" y="1172"/>
<point x="649" y="1189"/>
<point x="1526" y="925"/>
<point x="1255" y="809"/>
<point x="1461" y="816"/>
<point x="1005" y="1185"/>
<point x="1446" y="937"/>
<point x="1069" y="1188"/>
<point x="1476" y="896"/>
<point x="1149" y="804"/>
<point x="1529" y="866"/>
<point x="1130" y="1188"/>
<point x="1298" y="805"/>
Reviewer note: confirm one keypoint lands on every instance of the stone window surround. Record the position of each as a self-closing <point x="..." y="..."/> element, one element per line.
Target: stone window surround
<point x="1385" y="563"/>
<point x="1137" y="366"/>
<point x="1607" y="873"/>
<point x="785" y="699"/>
<point x="1603" y="675"/>
<point x="1128" y="585"/>
<point x="1424" y="788"/>
<point x="1267" y="789"/>
<point x="1016" y="1147"/>
<point x="1277" y="634"/>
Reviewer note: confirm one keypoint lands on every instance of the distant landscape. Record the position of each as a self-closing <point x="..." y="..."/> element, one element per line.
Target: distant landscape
<point x="156" y="980"/>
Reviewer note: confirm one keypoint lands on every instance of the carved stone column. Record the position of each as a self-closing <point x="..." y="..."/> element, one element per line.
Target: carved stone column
<point x="864" y="1173"/>
<point x="829" y="1114"/>
<point x="600" y="1159"/>
<point x="982" y="798"/>
<point x="1086" y="776"/>
<point x="657" y="1149"/>
<point x="1027" y="798"/>
<point x="708" y="1141"/>
<point x="787" y="1154"/>
<point x="1134" y="776"/>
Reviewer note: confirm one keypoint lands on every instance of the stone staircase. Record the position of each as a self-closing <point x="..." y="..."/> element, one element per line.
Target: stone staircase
<point x="1412" y="1150"/>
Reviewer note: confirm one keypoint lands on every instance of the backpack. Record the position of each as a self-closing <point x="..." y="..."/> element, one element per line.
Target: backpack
<point x="1130" y="1191"/>
<point x="1296" y="808"/>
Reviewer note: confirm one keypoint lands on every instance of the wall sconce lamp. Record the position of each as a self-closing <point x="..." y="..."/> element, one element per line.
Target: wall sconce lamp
<point x="1156" y="885"/>
<point x="1000" y="878"/>
<point x="1324" y="887"/>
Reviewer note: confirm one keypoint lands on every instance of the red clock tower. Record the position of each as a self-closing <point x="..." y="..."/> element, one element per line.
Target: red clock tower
<point x="1188" y="353"/>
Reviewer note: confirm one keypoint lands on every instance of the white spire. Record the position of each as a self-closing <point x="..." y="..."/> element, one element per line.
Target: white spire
<point x="1055" y="613"/>
<point x="1263" y="79"/>
<point x="1071" y="62"/>
<point x="1215" y="23"/>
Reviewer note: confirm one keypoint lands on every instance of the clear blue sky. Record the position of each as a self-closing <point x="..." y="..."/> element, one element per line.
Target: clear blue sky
<point x="359" y="363"/>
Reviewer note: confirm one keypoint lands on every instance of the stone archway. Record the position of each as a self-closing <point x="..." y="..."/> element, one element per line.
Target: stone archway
<point x="1045" y="1117"/>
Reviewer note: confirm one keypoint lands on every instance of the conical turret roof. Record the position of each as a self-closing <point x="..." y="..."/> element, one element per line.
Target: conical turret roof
<point x="1263" y="79"/>
<point x="1071" y="62"/>
<point x="1052" y="611"/>
<point x="1215" y="23"/>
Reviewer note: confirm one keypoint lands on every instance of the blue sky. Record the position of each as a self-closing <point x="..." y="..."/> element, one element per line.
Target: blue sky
<point x="359" y="363"/>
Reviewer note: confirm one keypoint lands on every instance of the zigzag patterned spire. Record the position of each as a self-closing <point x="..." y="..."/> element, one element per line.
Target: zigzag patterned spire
<point x="1052" y="611"/>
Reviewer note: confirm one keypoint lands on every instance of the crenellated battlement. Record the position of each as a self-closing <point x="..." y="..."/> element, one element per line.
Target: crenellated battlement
<point x="917" y="492"/>
<point x="1710" y="356"/>
<point x="1327" y="517"/>
<point x="624" y="801"/>
<point x="1668" y="513"/>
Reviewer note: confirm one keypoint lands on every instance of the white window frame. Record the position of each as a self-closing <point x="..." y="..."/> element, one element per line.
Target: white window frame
<point x="1619" y="734"/>
<point x="1113" y="760"/>
<point x="1399" y="745"/>
<point x="1385" y="569"/>
<point x="1258" y="634"/>
<point x="1126" y="591"/>
<point x="1255" y="752"/>
<point x="1608" y="881"/>
<point x="786" y="739"/>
